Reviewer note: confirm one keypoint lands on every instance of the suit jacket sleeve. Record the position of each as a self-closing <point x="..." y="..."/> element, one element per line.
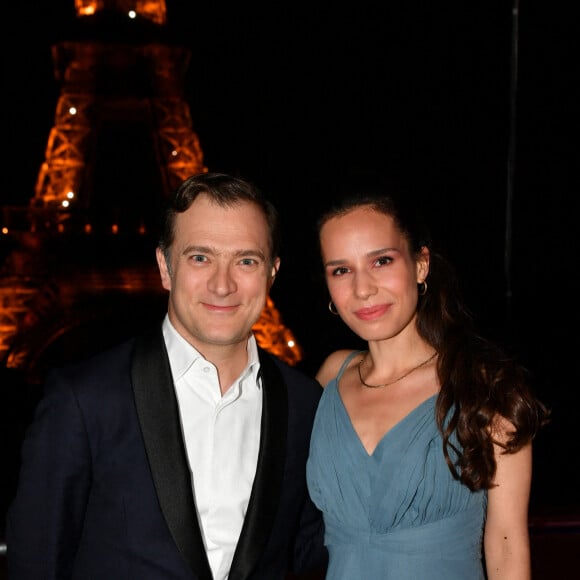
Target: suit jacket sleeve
<point x="86" y="504"/>
<point x="45" y="520"/>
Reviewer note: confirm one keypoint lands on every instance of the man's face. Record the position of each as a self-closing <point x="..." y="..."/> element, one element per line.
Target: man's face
<point x="220" y="273"/>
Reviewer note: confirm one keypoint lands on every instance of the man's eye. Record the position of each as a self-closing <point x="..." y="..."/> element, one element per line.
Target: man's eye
<point x="198" y="258"/>
<point x="248" y="261"/>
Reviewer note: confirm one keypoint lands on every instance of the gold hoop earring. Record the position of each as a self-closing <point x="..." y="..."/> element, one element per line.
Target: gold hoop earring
<point x="422" y="288"/>
<point x="335" y="311"/>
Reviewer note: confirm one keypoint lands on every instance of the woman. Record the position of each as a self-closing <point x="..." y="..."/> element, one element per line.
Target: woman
<point x="421" y="451"/>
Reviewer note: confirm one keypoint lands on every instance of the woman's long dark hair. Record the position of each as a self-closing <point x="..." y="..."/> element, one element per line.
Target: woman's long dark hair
<point x="479" y="381"/>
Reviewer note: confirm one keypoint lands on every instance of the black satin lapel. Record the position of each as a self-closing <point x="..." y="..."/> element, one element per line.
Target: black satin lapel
<point x="267" y="487"/>
<point x="160" y="424"/>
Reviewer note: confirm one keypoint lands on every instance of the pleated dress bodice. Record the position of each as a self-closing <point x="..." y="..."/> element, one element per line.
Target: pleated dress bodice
<point x="397" y="513"/>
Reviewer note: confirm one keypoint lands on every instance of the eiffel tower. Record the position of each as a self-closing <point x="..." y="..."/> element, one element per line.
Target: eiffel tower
<point x="79" y="264"/>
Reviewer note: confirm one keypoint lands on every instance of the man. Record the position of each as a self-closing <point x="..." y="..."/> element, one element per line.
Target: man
<point x="180" y="454"/>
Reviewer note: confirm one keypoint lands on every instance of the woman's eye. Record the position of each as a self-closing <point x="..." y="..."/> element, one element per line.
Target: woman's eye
<point x="339" y="271"/>
<point x="383" y="260"/>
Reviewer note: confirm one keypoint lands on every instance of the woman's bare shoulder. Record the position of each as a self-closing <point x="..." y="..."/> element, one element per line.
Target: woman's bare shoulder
<point x="331" y="365"/>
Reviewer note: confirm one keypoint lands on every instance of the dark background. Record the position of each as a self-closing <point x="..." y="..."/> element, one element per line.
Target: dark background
<point x="295" y="97"/>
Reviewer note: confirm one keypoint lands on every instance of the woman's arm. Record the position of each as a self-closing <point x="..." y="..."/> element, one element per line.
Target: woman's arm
<point x="506" y="538"/>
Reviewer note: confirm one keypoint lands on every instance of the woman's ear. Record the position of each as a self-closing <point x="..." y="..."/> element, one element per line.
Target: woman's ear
<point x="423" y="264"/>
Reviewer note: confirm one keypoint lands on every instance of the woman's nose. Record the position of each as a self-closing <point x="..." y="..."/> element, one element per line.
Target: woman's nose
<point x="364" y="285"/>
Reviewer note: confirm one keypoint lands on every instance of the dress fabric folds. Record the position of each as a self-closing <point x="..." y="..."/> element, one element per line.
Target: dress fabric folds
<point x="397" y="513"/>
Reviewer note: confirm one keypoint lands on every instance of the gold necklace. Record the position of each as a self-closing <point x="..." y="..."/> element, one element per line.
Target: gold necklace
<point x="396" y="380"/>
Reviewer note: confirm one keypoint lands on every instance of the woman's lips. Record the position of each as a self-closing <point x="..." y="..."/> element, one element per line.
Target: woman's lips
<point x="372" y="312"/>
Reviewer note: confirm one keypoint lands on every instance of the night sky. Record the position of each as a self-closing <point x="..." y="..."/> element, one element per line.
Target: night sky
<point x="295" y="97"/>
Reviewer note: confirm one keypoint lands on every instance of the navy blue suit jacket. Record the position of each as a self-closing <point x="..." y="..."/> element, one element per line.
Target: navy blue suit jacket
<point x="105" y="489"/>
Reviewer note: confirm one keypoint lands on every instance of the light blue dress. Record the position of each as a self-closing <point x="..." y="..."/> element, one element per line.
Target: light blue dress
<point x="397" y="514"/>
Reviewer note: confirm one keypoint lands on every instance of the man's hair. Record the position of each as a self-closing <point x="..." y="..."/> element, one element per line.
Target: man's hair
<point x="225" y="190"/>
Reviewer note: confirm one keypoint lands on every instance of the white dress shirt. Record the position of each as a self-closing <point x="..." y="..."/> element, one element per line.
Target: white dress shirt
<point x="222" y="439"/>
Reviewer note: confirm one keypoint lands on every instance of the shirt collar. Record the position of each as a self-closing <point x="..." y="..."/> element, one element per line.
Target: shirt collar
<point x="253" y="358"/>
<point x="182" y="354"/>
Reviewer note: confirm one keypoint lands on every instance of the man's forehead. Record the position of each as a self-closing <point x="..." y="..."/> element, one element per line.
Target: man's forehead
<point x="242" y="225"/>
<point x="232" y="238"/>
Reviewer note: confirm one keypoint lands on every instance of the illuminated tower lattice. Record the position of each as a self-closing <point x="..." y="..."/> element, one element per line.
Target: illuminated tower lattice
<point x="103" y="82"/>
<point x="126" y="80"/>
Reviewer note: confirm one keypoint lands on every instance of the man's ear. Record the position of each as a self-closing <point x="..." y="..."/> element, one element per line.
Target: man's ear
<point x="163" y="269"/>
<point x="274" y="272"/>
<point x="423" y="264"/>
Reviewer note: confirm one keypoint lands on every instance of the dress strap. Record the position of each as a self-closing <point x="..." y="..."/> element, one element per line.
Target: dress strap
<point x="346" y="361"/>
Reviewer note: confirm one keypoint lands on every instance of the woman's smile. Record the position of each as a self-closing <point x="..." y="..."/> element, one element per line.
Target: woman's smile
<point x="372" y="312"/>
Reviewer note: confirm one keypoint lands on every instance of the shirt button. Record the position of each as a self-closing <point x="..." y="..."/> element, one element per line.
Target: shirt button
<point x="206" y="369"/>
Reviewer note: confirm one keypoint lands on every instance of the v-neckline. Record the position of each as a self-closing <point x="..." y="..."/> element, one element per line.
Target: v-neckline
<point x="402" y="420"/>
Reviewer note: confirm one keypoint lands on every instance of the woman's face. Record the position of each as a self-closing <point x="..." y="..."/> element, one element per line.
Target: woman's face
<point x="370" y="272"/>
